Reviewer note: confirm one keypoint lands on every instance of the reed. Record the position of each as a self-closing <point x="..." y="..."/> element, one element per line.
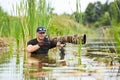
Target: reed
<point x="44" y="15"/>
<point x="11" y="48"/>
<point x="78" y="10"/>
<point x="30" y="15"/>
<point x="79" y="53"/>
<point x="17" y="36"/>
<point x="116" y="31"/>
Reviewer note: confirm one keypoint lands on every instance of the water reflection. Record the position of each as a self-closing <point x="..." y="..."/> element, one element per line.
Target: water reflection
<point x="9" y="68"/>
<point x="12" y="67"/>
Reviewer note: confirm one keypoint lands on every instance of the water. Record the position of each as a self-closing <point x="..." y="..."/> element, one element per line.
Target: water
<point x="12" y="67"/>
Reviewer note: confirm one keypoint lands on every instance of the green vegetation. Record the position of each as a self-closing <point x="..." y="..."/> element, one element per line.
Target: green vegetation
<point x="31" y="14"/>
<point x="102" y="14"/>
<point x="4" y="23"/>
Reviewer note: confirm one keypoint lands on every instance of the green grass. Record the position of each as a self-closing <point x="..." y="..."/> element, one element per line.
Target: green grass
<point x="116" y="31"/>
<point x="30" y="15"/>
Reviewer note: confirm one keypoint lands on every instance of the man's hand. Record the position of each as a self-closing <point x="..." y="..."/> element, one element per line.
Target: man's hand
<point x="45" y="42"/>
<point x="59" y="44"/>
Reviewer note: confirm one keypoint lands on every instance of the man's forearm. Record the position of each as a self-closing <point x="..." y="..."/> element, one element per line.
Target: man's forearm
<point x="32" y="48"/>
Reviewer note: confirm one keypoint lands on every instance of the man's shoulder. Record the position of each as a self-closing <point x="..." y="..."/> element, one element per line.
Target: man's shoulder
<point x="35" y="39"/>
<point x="32" y="41"/>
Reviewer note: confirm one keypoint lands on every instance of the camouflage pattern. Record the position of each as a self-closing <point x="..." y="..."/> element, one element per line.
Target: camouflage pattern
<point x="75" y="39"/>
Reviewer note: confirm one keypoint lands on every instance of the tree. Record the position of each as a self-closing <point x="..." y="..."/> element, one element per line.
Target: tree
<point x="105" y="20"/>
<point x="88" y="17"/>
<point x="77" y="16"/>
<point x="114" y="13"/>
<point x="98" y="10"/>
<point x="118" y="8"/>
<point x="93" y="12"/>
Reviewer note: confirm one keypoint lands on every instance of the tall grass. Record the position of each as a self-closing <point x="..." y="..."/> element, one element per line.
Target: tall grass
<point x="30" y="15"/>
<point x="79" y="53"/>
<point x="78" y="10"/>
<point x="44" y="14"/>
<point x="116" y="32"/>
<point x="17" y="35"/>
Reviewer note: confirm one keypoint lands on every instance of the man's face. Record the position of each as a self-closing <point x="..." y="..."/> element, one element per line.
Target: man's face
<point x="40" y="35"/>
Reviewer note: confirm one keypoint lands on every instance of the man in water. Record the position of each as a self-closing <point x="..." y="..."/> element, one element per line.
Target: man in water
<point x="39" y="47"/>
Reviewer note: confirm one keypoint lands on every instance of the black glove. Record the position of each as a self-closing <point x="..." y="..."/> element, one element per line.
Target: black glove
<point x="45" y="42"/>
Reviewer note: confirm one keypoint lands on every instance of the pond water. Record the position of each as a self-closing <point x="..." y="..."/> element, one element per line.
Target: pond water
<point x="12" y="67"/>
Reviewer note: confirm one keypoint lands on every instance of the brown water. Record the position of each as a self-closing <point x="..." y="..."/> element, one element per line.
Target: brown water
<point x="12" y="67"/>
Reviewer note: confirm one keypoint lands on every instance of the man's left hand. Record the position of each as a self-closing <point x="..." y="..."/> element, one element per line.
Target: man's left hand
<point x="59" y="44"/>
